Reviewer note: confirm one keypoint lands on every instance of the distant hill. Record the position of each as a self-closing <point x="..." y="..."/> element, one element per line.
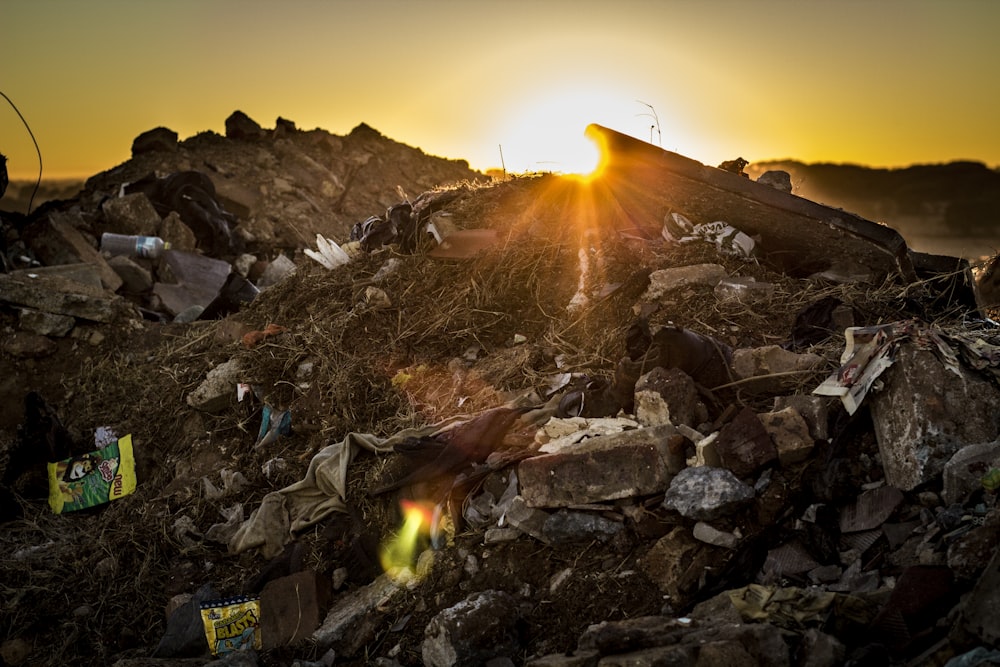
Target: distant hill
<point x="953" y="199"/>
<point x="18" y="196"/>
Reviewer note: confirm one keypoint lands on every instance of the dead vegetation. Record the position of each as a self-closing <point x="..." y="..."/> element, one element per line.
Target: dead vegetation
<point x="93" y="585"/>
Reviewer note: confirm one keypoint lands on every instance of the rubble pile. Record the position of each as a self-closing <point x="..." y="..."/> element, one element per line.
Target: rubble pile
<point x="669" y="415"/>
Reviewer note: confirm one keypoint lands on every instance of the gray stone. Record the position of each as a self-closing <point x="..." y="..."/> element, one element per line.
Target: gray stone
<point x="777" y="179"/>
<point x="667" y="280"/>
<point x="565" y="527"/>
<point x="26" y="345"/>
<point x="45" y="324"/>
<point x="218" y="390"/>
<point x="131" y="214"/>
<point x="177" y="234"/>
<point x="669" y="656"/>
<point x="926" y="413"/>
<point x="763" y="641"/>
<point x="963" y="473"/>
<point x="351" y="608"/>
<point x="277" y="270"/>
<point x="52" y="294"/>
<point x="709" y="534"/>
<point x="707" y="494"/>
<point x="56" y="240"/>
<point x="773" y="368"/>
<point x="136" y="279"/>
<point x="481" y="627"/>
<point x="622" y="465"/>
<point x="527" y="519"/>
<point x="632" y="634"/>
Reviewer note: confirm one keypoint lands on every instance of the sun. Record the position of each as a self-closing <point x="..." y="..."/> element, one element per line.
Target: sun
<point x="547" y="132"/>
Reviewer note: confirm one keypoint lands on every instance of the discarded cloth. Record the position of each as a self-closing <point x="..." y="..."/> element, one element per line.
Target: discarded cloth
<point x="729" y="240"/>
<point x="322" y="491"/>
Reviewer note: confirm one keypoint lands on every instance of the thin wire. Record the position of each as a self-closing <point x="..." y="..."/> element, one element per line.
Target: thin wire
<point x="37" y="150"/>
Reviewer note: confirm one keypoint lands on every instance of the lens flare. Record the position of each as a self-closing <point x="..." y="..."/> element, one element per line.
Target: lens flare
<point x="399" y="554"/>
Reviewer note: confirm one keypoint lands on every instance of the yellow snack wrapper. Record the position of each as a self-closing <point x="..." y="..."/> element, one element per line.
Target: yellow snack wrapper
<point x="232" y="624"/>
<point x="101" y="476"/>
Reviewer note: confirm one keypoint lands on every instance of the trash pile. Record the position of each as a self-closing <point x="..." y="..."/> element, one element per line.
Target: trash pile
<point x="669" y="415"/>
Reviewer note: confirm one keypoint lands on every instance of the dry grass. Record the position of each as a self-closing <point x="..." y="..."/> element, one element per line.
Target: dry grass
<point x="374" y="370"/>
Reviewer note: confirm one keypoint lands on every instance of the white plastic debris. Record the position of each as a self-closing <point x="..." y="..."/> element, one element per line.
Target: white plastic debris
<point x="328" y="253"/>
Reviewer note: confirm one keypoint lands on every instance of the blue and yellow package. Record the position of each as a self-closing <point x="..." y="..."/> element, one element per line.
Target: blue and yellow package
<point x="232" y="624"/>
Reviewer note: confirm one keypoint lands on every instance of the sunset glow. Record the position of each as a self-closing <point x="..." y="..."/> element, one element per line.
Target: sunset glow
<point x="510" y="85"/>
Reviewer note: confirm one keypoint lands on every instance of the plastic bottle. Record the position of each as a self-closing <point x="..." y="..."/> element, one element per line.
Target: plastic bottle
<point x="133" y="246"/>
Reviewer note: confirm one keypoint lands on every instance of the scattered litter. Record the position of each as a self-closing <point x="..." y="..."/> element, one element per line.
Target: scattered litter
<point x="232" y="624"/>
<point x="92" y="479"/>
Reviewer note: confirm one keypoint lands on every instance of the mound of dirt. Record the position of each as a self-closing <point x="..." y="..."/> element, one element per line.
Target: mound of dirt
<point x="393" y="343"/>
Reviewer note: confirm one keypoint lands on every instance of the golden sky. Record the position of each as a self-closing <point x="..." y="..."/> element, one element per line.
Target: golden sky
<point x="880" y="82"/>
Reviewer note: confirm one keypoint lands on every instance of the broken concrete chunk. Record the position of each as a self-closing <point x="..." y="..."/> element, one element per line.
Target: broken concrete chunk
<point x="668" y="396"/>
<point x="52" y="294"/>
<point x="155" y="140"/>
<point x="774" y="367"/>
<point x="26" y="345"/>
<point x="132" y="214"/>
<point x="926" y="413"/>
<point x="481" y="627"/>
<point x="136" y="279"/>
<point x="676" y="563"/>
<point x="790" y="434"/>
<point x="218" y="389"/>
<point x="815" y="410"/>
<point x="744" y="445"/>
<point x="777" y="179"/>
<point x="56" y="240"/>
<point x="277" y="270"/>
<point x="565" y="527"/>
<point x="527" y="519"/>
<point x="177" y="234"/>
<point x="707" y="494"/>
<point x="709" y="534"/>
<point x="610" y="637"/>
<point x="630" y="463"/>
<point x="45" y="324"/>
<point x="665" y="280"/>
<point x="351" y="608"/>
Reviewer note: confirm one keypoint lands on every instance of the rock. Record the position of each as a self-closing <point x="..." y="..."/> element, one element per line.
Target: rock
<point x="668" y="396"/>
<point x="667" y="280"/>
<point x="479" y="628"/>
<point x="578" y="658"/>
<point x="676" y="563"/>
<point x="44" y="324"/>
<point x="743" y="290"/>
<point x="350" y="609"/>
<point x="969" y="553"/>
<point x="773" y="368"/>
<point x="56" y="240"/>
<point x="292" y="607"/>
<point x="870" y="510"/>
<point x="132" y="214"/>
<point x="136" y="279"/>
<point x="27" y="345"/>
<point x="52" y="294"/>
<point x="240" y="126"/>
<point x="565" y="527"/>
<point x="218" y="390"/>
<point x="708" y="534"/>
<point x="177" y="234"/>
<point x="527" y="519"/>
<point x="632" y="634"/>
<point x="744" y="445"/>
<point x="277" y="270"/>
<point x="630" y="463"/>
<point x="155" y="140"/>
<point x="185" y="633"/>
<point x="815" y="410"/>
<point x="707" y="494"/>
<point x="777" y="179"/>
<point x="926" y="413"/>
<point x="790" y="434"/>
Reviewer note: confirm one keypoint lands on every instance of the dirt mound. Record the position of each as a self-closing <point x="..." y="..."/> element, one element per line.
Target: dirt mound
<point x="385" y="343"/>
